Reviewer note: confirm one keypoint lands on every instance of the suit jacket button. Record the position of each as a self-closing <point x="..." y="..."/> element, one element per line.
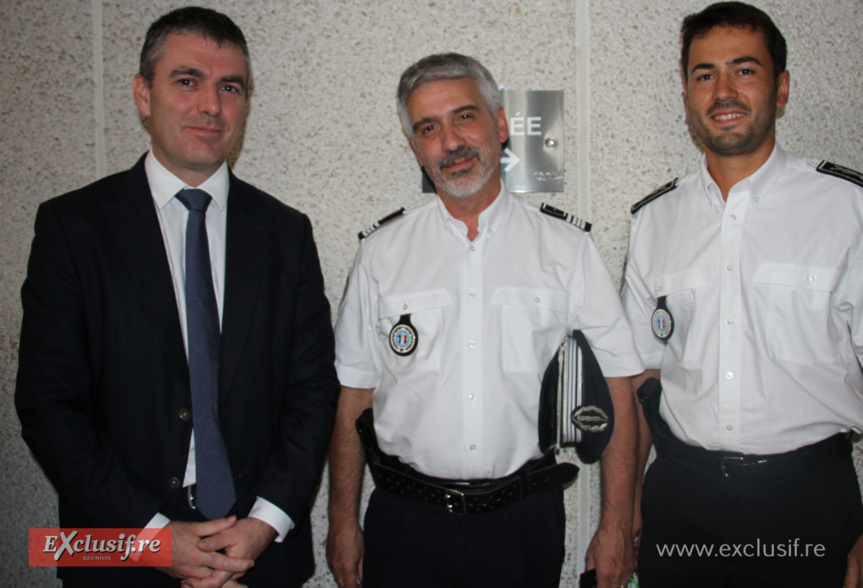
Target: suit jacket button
<point x="175" y="482"/>
<point x="185" y="414"/>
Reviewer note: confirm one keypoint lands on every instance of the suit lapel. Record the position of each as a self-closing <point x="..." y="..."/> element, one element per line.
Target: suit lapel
<point x="132" y="218"/>
<point x="245" y="256"/>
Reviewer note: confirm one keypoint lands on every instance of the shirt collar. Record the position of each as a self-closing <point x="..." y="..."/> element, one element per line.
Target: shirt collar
<point x="490" y="218"/>
<point x="164" y="185"/>
<point x="759" y="183"/>
<point x="762" y="180"/>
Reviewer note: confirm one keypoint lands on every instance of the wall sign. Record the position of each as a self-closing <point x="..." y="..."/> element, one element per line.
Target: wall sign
<point x="532" y="160"/>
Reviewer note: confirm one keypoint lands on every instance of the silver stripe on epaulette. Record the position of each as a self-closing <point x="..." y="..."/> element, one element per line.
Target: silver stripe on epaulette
<point x="831" y="169"/>
<point x="660" y="191"/>
<point x="378" y="224"/>
<point x="565" y="216"/>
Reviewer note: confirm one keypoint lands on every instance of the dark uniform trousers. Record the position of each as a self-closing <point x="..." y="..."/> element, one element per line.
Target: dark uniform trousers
<point x="411" y="543"/>
<point x="793" y="530"/>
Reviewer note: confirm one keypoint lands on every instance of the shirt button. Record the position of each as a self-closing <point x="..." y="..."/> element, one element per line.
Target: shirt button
<point x="659" y="288"/>
<point x="472" y="295"/>
<point x="185" y="414"/>
<point x="472" y="344"/>
<point x="733" y="217"/>
<point x="472" y="447"/>
<point x="729" y="428"/>
<point x="470" y="396"/>
<point x="404" y="307"/>
<point x="729" y="375"/>
<point x="537" y="300"/>
<point x="472" y="248"/>
<point x="729" y="320"/>
<point x="490" y="231"/>
<point x="812" y="278"/>
<point x="729" y="267"/>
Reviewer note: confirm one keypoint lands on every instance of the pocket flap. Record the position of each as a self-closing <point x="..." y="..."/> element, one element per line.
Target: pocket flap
<point x="534" y="297"/>
<point x="677" y="282"/>
<point x="414" y="302"/>
<point x="822" y="279"/>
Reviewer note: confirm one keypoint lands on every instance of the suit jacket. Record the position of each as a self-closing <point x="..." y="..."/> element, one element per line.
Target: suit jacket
<point x="103" y="382"/>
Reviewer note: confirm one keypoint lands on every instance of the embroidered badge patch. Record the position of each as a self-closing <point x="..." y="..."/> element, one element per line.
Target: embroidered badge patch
<point x="662" y="321"/>
<point x="590" y="419"/>
<point x="403" y="336"/>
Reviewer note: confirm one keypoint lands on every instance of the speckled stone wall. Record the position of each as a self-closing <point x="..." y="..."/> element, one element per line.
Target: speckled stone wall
<point x="324" y="136"/>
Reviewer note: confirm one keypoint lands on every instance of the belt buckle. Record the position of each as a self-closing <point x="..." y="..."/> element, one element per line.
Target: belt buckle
<point x="455" y="502"/>
<point x="729" y="457"/>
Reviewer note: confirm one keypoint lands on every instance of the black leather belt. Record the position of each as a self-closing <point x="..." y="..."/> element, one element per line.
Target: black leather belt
<point x="459" y="497"/>
<point x="732" y="465"/>
<point x="739" y="466"/>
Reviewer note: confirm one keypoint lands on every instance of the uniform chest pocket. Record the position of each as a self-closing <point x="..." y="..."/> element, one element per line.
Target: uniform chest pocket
<point x="423" y="312"/>
<point x="678" y="288"/>
<point x="533" y="322"/>
<point x="797" y="311"/>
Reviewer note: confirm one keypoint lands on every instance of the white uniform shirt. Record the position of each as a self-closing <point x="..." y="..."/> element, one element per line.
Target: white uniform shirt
<point x="766" y="292"/>
<point x="489" y="315"/>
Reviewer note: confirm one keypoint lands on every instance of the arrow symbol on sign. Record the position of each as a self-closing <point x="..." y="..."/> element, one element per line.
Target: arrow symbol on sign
<point x="509" y="159"/>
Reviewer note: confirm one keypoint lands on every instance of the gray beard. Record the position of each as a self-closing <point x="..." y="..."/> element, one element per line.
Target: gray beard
<point x="451" y="185"/>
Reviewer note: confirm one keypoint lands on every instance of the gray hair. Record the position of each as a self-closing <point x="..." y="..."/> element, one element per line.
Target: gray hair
<point x="445" y="66"/>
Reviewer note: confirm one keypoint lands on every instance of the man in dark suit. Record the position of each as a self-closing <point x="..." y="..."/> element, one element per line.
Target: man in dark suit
<point x="151" y="400"/>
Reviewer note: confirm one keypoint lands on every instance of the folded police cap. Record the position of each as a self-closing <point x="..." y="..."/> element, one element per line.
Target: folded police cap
<point x="575" y="407"/>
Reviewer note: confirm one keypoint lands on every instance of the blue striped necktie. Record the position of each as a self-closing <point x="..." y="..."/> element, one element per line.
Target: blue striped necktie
<point x="215" y="485"/>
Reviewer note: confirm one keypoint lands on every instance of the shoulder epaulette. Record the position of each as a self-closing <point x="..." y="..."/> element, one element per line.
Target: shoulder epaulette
<point x="831" y="169"/>
<point x="660" y="191"/>
<point x="375" y="226"/>
<point x="565" y="216"/>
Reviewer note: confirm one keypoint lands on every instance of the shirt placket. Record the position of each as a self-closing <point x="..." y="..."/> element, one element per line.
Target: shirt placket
<point x="730" y="317"/>
<point x="473" y="311"/>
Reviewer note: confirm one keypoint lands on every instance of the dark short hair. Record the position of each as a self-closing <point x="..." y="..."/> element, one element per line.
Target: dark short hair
<point x="446" y="66"/>
<point x="203" y="22"/>
<point x="733" y="14"/>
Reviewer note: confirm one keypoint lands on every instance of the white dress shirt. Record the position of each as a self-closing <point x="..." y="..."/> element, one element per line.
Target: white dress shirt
<point x="766" y="293"/>
<point x="172" y="220"/>
<point x="489" y="315"/>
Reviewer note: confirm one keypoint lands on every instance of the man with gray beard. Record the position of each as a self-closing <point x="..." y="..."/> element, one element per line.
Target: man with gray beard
<point x="452" y="313"/>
